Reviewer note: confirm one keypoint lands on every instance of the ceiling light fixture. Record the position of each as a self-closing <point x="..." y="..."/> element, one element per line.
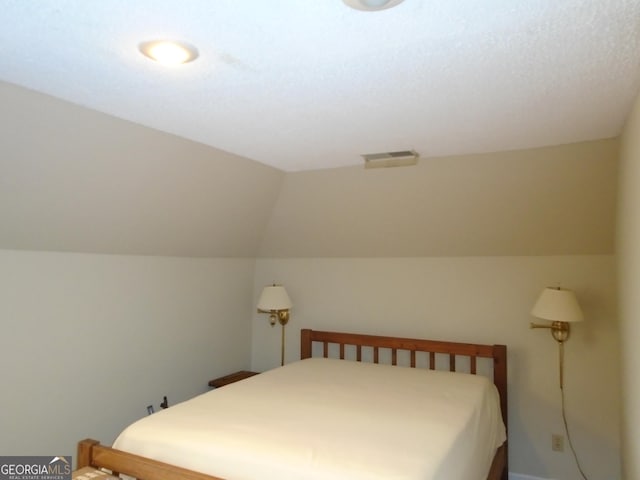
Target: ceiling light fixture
<point x="372" y="5"/>
<point x="169" y="53"/>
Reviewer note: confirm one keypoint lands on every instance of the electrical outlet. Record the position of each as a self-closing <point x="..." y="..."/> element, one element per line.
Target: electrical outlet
<point x="557" y="442"/>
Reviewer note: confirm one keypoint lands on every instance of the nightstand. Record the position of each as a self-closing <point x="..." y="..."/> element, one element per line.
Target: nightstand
<point x="231" y="378"/>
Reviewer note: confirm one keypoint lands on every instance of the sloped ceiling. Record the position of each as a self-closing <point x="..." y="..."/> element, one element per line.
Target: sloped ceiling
<point x="313" y="84"/>
<point x="72" y="179"/>
<point x="547" y="201"/>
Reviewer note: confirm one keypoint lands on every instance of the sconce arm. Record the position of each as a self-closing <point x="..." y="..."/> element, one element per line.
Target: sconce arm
<point x="559" y="330"/>
<point x="282" y="316"/>
<point x="539" y="325"/>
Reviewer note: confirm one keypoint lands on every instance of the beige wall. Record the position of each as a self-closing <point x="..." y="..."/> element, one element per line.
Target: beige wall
<point x="88" y="341"/>
<point x="629" y="279"/>
<point x="477" y="299"/>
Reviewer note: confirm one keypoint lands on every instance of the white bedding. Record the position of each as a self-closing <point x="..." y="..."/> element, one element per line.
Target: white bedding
<point x="331" y="419"/>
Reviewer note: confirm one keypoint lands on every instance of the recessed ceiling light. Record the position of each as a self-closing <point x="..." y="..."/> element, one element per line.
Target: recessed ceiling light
<point x="168" y="52"/>
<point x="372" y="5"/>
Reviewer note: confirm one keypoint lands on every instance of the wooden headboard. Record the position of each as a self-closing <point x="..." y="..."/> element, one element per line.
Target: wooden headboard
<point x="473" y="351"/>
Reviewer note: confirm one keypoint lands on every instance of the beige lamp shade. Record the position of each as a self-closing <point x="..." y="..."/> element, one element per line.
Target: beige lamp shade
<point x="274" y="297"/>
<point x="557" y="305"/>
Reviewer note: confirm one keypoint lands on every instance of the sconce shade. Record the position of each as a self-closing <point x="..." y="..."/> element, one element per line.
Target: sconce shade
<point x="274" y="297"/>
<point x="557" y="305"/>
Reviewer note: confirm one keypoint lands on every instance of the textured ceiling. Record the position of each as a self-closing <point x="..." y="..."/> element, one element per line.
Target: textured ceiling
<point x="311" y="84"/>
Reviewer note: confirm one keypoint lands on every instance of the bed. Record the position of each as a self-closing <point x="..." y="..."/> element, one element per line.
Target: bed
<point x="434" y="425"/>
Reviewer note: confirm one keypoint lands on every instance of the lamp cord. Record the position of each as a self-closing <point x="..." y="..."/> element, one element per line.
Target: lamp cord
<point x="566" y="429"/>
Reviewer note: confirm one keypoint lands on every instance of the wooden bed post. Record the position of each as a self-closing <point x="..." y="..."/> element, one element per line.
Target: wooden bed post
<point x="500" y="380"/>
<point x="85" y="452"/>
<point x="500" y="376"/>
<point x="305" y="343"/>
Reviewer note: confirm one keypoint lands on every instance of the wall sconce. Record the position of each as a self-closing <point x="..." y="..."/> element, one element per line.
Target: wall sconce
<point x="561" y="307"/>
<point x="275" y="301"/>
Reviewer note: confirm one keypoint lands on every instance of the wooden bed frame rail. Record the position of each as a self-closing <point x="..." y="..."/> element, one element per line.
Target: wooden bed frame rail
<point x="498" y="353"/>
<point x="92" y="454"/>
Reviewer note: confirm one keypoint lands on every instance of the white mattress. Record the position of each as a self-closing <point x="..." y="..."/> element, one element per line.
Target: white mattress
<point x="331" y="419"/>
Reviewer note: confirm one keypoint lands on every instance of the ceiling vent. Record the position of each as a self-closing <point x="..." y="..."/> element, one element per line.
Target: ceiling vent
<point x="390" y="159"/>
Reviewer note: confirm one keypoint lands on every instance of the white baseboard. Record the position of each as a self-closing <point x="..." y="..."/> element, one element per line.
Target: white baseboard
<point x="520" y="476"/>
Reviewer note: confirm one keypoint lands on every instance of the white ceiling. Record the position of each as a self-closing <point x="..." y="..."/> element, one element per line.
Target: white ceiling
<point x="311" y="84"/>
